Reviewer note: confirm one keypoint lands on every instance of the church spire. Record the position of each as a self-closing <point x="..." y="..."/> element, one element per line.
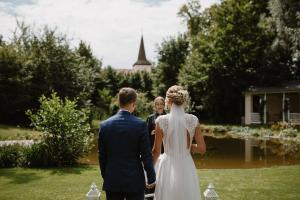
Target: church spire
<point x="142" y="60"/>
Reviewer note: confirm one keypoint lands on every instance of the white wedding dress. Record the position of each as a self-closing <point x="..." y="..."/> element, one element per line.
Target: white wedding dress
<point x="176" y="174"/>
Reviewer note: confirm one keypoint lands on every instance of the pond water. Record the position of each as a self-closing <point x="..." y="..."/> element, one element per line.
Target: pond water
<point x="238" y="153"/>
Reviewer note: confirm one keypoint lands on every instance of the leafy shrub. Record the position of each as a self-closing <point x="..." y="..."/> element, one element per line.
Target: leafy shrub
<point x="12" y="156"/>
<point x="279" y="126"/>
<point x="66" y="132"/>
<point x="38" y="156"/>
<point x="144" y="107"/>
<point x="289" y="132"/>
<point x="285" y="129"/>
<point x="220" y="130"/>
<point x="17" y="155"/>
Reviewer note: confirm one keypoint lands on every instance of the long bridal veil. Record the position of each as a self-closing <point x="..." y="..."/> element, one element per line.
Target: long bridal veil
<point x="176" y="173"/>
<point x="177" y="129"/>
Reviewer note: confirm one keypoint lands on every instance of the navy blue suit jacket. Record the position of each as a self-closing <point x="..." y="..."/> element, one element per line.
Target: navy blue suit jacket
<point x="123" y="145"/>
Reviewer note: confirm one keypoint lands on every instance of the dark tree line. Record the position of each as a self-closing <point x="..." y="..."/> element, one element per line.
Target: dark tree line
<point x="108" y="84"/>
<point x="37" y="63"/>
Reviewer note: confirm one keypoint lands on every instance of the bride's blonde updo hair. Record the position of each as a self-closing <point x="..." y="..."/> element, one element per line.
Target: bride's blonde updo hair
<point x="176" y="94"/>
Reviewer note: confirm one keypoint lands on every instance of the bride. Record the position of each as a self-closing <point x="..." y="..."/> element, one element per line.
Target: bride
<point x="176" y="172"/>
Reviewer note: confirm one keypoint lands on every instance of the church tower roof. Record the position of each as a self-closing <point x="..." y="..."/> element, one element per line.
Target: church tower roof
<point x="142" y="60"/>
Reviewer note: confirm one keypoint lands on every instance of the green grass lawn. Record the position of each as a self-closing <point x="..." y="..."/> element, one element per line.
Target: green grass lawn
<point x="73" y="183"/>
<point x="17" y="133"/>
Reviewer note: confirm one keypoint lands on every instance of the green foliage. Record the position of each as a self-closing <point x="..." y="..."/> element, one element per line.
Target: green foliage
<point x="35" y="63"/>
<point x="108" y="84"/>
<point x="284" y="22"/>
<point x="147" y="84"/>
<point x="229" y="53"/>
<point x="172" y="54"/>
<point x="66" y="133"/>
<point x="109" y="79"/>
<point x="192" y="15"/>
<point x="194" y="75"/>
<point x="280" y="126"/>
<point x="285" y="129"/>
<point x="237" y="57"/>
<point x="144" y="107"/>
<point x="39" y="156"/>
<point x="16" y="155"/>
<point x="14" y="83"/>
<point x="101" y="109"/>
<point x="141" y="81"/>
<point x="58" y="67"/>
<point x="289" y="132"/>
<point x="12" y="156"/>
<point x="236" y="44"/>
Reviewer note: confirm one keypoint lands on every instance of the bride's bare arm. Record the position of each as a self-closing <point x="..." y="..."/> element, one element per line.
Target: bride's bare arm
<point x="200" y="147"/>
<point x="157" y="143"/>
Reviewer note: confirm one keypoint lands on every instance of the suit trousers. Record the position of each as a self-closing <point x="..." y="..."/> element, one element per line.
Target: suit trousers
<point x="125" y="195"/>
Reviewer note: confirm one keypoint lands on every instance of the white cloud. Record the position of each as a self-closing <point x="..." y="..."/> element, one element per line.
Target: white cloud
<point x="112" y="27"/>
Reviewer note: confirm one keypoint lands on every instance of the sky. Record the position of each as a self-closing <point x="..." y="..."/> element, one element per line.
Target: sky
<point x="112" y="28"/>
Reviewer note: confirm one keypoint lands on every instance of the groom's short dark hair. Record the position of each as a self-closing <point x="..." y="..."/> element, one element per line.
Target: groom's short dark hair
<point x="126" y="96"/>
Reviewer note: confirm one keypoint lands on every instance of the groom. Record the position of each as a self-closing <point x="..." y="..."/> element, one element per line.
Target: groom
<point x="124" y="152"/>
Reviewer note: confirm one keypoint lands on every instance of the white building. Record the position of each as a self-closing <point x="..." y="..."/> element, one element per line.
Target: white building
<point x="273" y="104"/>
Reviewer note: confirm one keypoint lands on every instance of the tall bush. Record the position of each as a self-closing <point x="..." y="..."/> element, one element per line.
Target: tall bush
<point x="66" y="131"/>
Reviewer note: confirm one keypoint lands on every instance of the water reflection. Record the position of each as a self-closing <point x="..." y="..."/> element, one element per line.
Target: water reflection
<point x="238" y="153"/>
<point x="248" y="153"/>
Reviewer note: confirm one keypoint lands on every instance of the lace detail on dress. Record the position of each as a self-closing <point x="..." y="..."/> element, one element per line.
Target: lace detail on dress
<point x="191" y="123"/>
<point x="162" y="121"/>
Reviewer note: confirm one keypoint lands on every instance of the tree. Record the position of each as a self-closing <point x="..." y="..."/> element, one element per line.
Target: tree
<point x="194" y="73"/>
<point x="227" y="56"/>
<point x="58" y="67"/>
<point x="1" y="40"/>
<point x="191" y="14"/>
<point x="238" y="55"/>
<point x="172" y="54"/>
<point x="86" y="53"/>
<point x="147" y="84"/>
<point x="194" y="76"/>
<point x="144" y="107"/>
<point x="284" y="23"/>
<point x="134" y="80"/>
<point x="35" y="63"/>
<point x="107" y="85"/>
<point x="15" y="79"/>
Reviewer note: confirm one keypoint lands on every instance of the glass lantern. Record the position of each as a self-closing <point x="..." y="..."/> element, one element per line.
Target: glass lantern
<point x="210" y="193"/>
<point x="94" y="193"/>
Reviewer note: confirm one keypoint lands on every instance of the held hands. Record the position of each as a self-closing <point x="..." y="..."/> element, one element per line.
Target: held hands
<point x="150" y="186"/>
<point x="153" y="132"/>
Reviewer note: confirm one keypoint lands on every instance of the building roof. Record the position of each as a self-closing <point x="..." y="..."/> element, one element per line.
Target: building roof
<point x="137" y="68"/>
<point x="291" y="86"/>
<point x="124" y="71"/>
<point x="142" y="60"/>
